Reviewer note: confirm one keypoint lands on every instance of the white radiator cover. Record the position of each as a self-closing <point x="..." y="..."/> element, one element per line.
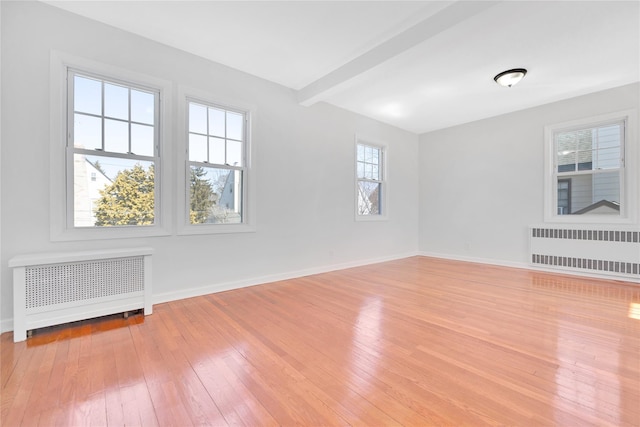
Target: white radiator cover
<point x="50" y="289"/>
<point x="608" y="252"/>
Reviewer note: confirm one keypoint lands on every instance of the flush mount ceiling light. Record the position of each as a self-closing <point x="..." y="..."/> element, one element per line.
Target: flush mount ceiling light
<point x="510" y="77"/>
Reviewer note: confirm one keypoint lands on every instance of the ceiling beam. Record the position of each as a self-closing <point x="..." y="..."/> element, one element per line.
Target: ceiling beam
<point x="339" y="78"/>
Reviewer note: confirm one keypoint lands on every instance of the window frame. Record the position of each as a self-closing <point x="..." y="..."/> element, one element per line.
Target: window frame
<point x="628" y="169"/>
<point x="383" y="181"/>
<point x="62" y="226"/>
<point x="189" y="95"/>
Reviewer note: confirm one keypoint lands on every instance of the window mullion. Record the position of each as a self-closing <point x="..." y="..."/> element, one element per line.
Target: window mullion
<point x="207" y="137"/>
<point x="130" y="150"/>
<point x="226" y="159"/>
<point x="102" y="113"/>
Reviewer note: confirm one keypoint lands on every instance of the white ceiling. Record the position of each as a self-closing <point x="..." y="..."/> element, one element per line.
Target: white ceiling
<point x="418" y="65"/>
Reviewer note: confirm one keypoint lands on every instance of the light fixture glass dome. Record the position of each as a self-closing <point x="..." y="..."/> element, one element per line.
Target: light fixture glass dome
<point x="510" y="77"/>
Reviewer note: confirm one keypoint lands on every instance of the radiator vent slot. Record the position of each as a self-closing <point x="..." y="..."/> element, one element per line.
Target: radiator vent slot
<point x="62" y="283"/>
<point x="609" y="252"/>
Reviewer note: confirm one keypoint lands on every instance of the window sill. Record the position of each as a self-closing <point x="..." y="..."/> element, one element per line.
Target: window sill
<point x="191" y="230"/>
<point x="368" y="218"/>
<point x="107" y="233"/>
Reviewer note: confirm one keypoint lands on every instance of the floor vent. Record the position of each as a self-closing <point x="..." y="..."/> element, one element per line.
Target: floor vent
<point x="609" y="252"/>
<point x="51" y="289"/>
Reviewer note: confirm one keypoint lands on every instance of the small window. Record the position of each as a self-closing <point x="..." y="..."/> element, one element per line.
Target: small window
<point x="588" y="169"/>
<point x="216" y="164"/>
<point x="112" y="152"/>
<point x="590" y="166"/>
<point x="370" y="180"/>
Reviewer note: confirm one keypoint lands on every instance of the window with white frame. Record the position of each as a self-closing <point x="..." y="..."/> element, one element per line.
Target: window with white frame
<point x="370" y="179"/>
<point x="589" y="170"/>
<point x="112" y="152"/>
<point x="216" y="163"/>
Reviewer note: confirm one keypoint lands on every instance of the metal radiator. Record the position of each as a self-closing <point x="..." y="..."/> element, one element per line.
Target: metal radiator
<point x="51" y="289"/>
<point x="610" y="252"/>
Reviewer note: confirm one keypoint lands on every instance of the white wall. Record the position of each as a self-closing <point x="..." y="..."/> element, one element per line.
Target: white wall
<point x="481" y="183"/>
<point x="304" y="165"/>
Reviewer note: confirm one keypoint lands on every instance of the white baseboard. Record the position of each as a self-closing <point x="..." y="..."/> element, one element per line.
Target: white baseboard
<point x="6" y="325"/>
<point x="527" y="266"/>
<point x="489" y="261"/>
<point x="220" y="287"/>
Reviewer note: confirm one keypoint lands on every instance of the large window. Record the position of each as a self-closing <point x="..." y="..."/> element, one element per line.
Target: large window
<point x="588" y="170"/>
<point x="370" y="180"/>
<point x="216" y="164"/>
<point x="112" y="152"/>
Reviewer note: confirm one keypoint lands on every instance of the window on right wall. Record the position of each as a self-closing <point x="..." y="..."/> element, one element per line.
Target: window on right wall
<point x="587" y="176"/>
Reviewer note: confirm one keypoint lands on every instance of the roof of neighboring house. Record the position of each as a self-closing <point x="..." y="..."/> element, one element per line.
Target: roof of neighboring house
<point x="98" y="169"/>
<point x="601" y="203"/>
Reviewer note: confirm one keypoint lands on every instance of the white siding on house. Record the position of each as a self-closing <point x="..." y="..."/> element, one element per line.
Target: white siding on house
<point x="87" y="185"/>
<point x="581" y="192"/>
<point x="606" y="186"/>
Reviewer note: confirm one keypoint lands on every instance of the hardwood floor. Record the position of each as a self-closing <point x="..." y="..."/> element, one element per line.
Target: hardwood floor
<point x="418" y="341"/>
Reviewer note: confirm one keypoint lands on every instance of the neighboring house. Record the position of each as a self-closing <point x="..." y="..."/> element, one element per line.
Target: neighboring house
<point x="603" y="207"/>
<point x="586" y="179"/>
<point x="89" y="180"/>
<point x="229" y="204"/>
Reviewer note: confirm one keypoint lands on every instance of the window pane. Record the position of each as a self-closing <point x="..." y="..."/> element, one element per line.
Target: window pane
<point x="590" y="194"/>
<point x="608" y="158"/>
<point x="609" y="136"/>
<point x="116" y="136"/>
<point x="375" y="173"/>
<point x="584" y="139"/>
<point x="198" y="148"/>
<point x="235" y="125"/>
<point x="368" y="198"/>
<point x="215" y="196"/>
<point x="585" y="160"/>
<point x="234" y="153"/>
<point x="565" y="144"/>
<point x="368" y="154"/>
<point x="142" y="140"/>
<point x="597" y="154"/>
<point x="87" y="95"/>
<point x="122" y="193"/>
<point x="360" y="170"/>
<point x="116" y="101"/>
<point x="216" y="151"/>
<point x="216" y="122"/>
<point x="368" y="174"/>
<point x="87" y="132"/>
<point x="360" y="155"/>
<point x="197" y="118"/>
<point x="606" y="187"/>
<point x="142" y="107"/>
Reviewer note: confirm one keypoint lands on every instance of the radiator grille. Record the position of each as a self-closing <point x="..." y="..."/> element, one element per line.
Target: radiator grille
<point x="596" y="235"/>
<point x="588" y="264"/>
<point x="48" y="285"/>
<point x="611" y="252"/>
